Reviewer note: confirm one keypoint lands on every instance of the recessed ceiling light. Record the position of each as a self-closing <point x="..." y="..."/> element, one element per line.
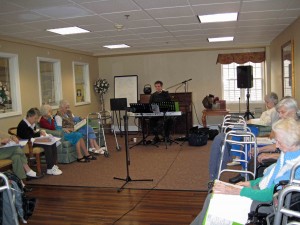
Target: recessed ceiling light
<point x="116" y="46"/>
<point x="68" y="30"/>
<point x="222" y="17"/>
<point x="220" y="39"/>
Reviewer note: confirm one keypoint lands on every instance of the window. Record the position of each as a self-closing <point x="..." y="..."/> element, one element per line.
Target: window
<point x="81" y="83"/>
<point x="231" y="93"/>
<point x="49" y="76"/>
<point x="10" y="98"/>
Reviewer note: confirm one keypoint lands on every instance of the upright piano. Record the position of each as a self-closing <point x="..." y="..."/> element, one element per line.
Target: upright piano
<point x="185" y="121"/>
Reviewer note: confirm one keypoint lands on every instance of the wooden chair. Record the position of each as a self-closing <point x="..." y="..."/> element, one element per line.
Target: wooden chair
<point x="32" y="153"/>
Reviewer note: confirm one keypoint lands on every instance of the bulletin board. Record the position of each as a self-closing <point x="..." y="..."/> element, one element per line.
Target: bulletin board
<point x="127" y="87"/>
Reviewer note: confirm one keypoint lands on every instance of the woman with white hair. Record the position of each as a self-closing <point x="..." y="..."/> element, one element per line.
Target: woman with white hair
<point x="260" y="190"/>
<point x="67" y="119"/>
<point x="75" y="138"/>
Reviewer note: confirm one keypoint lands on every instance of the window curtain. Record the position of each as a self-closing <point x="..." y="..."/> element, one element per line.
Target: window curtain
<point x="241" y="58"/>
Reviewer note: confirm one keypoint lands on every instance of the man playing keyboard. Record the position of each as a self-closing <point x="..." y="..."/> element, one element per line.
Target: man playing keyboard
<point x="157" y="123"/>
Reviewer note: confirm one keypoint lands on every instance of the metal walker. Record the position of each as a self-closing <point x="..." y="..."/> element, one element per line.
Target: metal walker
<point x="97" y="120"/>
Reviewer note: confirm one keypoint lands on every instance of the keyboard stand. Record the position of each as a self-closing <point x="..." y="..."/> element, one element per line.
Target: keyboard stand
<point x="144" y="140"/>
<point x="169" y="140"/>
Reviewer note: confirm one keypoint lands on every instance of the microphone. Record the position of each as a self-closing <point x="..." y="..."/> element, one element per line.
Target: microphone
<point x="186" y="81"/>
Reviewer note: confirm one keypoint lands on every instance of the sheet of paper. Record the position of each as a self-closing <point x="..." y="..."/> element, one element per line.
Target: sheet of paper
<point x="228" y="209"/>
<point x="21" y="143"/>
<point x="80" y="124"/>
<point x="265" y="141"/>
<point x="45" y="140"/>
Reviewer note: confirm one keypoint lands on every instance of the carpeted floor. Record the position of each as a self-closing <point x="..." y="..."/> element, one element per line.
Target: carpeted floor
<point x="175" y="168"/>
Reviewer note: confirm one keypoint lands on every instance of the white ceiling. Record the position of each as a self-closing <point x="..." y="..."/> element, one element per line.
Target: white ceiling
<point x="152" y="25"/>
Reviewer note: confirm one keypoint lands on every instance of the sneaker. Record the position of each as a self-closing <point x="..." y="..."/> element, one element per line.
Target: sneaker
<point x="233" y="163"/>
<point x="100" y="151"/>
<point x="92" y="149"/>
<point x="54" y="171"/>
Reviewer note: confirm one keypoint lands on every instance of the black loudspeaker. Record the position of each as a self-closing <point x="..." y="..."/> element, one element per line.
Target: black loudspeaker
<point x="118" y="104"/>
<point x="244" y="76"/>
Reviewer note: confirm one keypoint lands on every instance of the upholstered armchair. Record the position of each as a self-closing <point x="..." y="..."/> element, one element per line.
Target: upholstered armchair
<point x="66" y="153"/>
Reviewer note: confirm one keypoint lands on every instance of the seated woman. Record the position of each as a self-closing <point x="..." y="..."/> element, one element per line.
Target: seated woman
<point x="65" y="113"/>
<point x="287" y="135"/>
<point x="286" y="108"/>
<point x="267" y="118"/>
<point x="26" y="130"/>
<point x="74" y="138"/>
<point x="18" y="158"/>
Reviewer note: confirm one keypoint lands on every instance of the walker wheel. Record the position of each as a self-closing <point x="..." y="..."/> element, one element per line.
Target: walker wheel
<point x="118" y="148"/>
<point x="106" y="154"/>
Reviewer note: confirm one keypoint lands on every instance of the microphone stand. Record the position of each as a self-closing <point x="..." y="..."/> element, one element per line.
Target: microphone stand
<point x="128" y="178"/>
<point x="186" y="114"/>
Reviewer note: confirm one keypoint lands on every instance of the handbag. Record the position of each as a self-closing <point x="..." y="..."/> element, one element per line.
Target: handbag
<point x="198" y="136"/>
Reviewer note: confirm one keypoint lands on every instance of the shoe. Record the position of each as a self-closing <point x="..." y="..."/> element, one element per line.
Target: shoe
<point x="100" y="151"/>
<point x="92" y="150"/>
<point x="54" y="171"/>
<point x="233" y="163"/>
<point x="236" y="179"/>
<point x="33" y="175"/>
<point x="27" y="189"/>
<point x="83" y="160"/>
<point x="90" y="157"/>
<point x="37" y="176"/>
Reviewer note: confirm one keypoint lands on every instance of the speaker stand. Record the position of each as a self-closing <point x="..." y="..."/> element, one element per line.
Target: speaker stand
<point x="248" y="113"/>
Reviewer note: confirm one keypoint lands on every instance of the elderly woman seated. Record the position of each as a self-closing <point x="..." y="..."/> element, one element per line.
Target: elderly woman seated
<point x="287" y="136"/>
<point x="19" y="160"/>
<point x="75" y="138"/>
<point x="68" y="119"/>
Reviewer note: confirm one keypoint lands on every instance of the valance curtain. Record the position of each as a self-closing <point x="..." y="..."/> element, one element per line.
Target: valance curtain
<point x="241" y="58"/>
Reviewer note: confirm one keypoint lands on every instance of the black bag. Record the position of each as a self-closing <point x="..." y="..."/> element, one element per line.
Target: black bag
<point x="208" y="101"/>
<point x="212" y="133"/>
<point x="27" y="204"/>
<point x="198" y="136"/>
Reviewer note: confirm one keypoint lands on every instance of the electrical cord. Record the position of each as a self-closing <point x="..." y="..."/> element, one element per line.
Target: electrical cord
<point x="150" y="190"/>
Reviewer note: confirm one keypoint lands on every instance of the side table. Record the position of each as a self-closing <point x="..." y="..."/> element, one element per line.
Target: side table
<point x="212" y="112"/>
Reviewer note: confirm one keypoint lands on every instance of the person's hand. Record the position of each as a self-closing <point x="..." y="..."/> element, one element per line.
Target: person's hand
<point x="14" y="138"/>
<point x="223" y="188"/>
<point x="43" y="133"/>
<point x="262" y="157"/>
<point x="5" y="140"/>
<point x="244" y="183"/>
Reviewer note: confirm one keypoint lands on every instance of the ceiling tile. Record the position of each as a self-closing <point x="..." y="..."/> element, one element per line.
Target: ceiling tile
<point x="111" y="6"/>
<point x="171" y="12"/>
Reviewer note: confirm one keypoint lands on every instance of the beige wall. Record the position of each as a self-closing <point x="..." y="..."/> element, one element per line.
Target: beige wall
<point x="27" y="56"/>
<point x="291" y="33"/>
<point x="173" y="68"/>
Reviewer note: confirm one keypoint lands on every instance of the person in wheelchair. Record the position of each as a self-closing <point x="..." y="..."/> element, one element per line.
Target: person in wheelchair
<point x="157" y="123"/>
<point x="260" y="190"/>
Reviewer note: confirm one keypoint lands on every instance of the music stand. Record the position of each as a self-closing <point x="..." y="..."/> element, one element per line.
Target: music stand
<point x="118" y="104"/>
<point x="128" y="178"/>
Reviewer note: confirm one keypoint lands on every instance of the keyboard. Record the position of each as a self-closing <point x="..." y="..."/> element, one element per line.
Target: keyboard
<point x="161" y="114"/>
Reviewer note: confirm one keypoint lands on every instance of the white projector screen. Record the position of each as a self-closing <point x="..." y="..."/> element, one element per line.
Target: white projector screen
<point x="127" y="87"/>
